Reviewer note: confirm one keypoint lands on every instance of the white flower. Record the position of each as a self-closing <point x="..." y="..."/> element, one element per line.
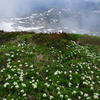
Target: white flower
<point x="51" y="97"/>
<point x="70" y="71"/>
<point x="7" y="54"/>
<point x="93" y="82"/>
<point x="20" y="65"/>
<point x="22" y="91"/>
<point x="44" y="95"/>
<point x="77" y="86"/>
<point x="2" y="69"/>
<point x="97" y="77"/>
<point x="74" y="92"/>
<point x="46" y="78"/>
<point x="59" y="92"/>
<point x="62" y="65"/>
<point x="61" y="96"/>
<point x="19" y="61"/>
<point x="9" y="60"/>
<point x="85" y="83"/>
<point x="69" y="84"/>
<point x="83" y="78"/>
<point x="34" y="85"/>
<point x="9" y="66"/>
<point x="76" y="72"/>
<point x="81" y="92"/>
<point x="17" y="86"/>
<point x="32" y="77"/>
<point x="69" y="99"/>
<point x="12" y="87"/>
<point x="85" y="95"/>
<point x="15" y="83"/>
<point x="5" y="85"/>
<point x="53" y="60"/>
<point x="91" y="88"/>
<point x="13" y="69"/>
<point x="88" y="98"/>
<point x="26" y="65"/>
<point x="18" y="69"/>
<point x="31" y="66"/>
<point x="24" y="94"/>
<point x="79" y="97"/>
<point x="24" y="85"/>
<point x="58" y="88"/>
<point x="19" y="46"/>
<point x="15" y="74"/>
<point x="65" y="72"/>
<point x="37" y="73"/>
<point x="96" y="94"/>
<point x="57" y="72"/>
<point x="96" y="97"/>
<point x="21" y="78"/>
<point x="33" y="81"/>
<point x="17" y="54"/>
<point x="66" y="96"/>
<point x="70" y="78"/>
<point x="92" y="72"/>
<point x="46" y="70"/>
<point x="14" y="66"/>
<point x="9" y="76"/>
<point x="12" y="55"/>
<point x="47" y="84"/>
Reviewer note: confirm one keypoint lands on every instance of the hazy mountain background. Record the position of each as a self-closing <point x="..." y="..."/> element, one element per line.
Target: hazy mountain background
<point x="78" y="16"/>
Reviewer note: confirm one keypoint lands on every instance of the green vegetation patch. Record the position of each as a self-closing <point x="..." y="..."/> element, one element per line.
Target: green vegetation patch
<point x="48" y="67"/>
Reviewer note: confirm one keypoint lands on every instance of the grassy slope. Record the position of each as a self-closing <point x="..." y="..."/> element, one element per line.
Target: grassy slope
<point x="49" y="66"/>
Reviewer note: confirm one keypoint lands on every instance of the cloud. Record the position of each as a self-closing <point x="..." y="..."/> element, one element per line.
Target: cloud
<point x="9" y="8"/>
<point x="93" y="0"/>
<point x="13" y="7"/>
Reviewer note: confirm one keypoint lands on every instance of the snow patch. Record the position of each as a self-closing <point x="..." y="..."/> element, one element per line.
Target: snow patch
<point x="50" y="10"/>
<point x="28" y="28"/>
<point x="97" y="11"/>
<point x="7" y="26"/>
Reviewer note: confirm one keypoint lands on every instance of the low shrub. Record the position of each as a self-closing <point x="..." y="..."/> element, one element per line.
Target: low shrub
<point x="7" y="36"/>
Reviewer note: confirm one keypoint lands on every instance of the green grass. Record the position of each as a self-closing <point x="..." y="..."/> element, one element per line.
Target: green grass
<point x="49" y="66"/>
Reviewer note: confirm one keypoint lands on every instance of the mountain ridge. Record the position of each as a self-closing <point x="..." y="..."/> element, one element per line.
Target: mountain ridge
<point x="55" y="19"/>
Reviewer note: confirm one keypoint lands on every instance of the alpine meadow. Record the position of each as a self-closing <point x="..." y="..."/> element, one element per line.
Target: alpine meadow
<point x="55" y="66"/>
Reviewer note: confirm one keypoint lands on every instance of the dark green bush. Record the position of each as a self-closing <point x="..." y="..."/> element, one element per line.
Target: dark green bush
<point x="57" y="40"/>
<point x="73" y="37"/>
<point x="8" y="36"/>
<point x="86" y="39"/>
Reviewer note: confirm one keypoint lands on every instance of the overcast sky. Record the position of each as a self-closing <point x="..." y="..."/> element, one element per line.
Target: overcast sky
<point x="12" y="7"/>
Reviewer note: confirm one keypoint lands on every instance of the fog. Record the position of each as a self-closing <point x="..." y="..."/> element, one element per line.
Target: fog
<point x="87" y="20"/>
<point x="13" y="7"/>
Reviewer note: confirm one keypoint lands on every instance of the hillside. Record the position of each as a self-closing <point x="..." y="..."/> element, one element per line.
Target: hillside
<point x="55" y="66"/>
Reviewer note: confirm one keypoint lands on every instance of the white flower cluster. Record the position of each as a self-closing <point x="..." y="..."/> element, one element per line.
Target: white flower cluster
<point x="96" y="95"/>
<point x="61" y="76"/>
<point x="57" y="72"/>
<point x="46" y="84"/>
<point x="16" y="85"/>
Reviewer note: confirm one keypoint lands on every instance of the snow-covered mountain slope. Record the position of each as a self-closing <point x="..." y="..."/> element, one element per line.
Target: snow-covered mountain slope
<point x="56" y="20"/>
